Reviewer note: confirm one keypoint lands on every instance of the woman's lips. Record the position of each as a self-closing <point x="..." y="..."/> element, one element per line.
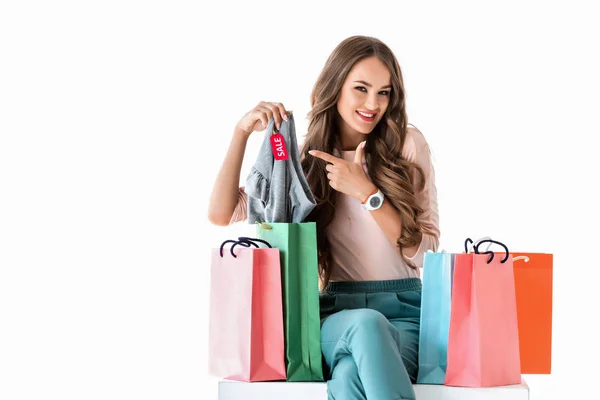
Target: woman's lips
<point x="366" y="119"/>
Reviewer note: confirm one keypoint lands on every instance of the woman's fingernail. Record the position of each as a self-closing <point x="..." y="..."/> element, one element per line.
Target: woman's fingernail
<point x="311" y="152"/>
<point x="364" y="144"/>
<point x="285" y="116"/>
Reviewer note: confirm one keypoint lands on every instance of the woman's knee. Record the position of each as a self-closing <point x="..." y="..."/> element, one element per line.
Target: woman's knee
<point x="371" y="323"/>
<point x="345" y="368"/>
<point x="369" y="319"/>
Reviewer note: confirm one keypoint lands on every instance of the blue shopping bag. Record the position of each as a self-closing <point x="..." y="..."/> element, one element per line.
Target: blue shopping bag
<point x="435" y="317"/>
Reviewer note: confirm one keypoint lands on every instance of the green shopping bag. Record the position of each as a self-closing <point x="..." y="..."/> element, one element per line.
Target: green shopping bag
<point x="297" y="244"/>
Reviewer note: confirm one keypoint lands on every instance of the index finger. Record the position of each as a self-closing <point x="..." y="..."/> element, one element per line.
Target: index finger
<point x="324" y="156"/>
<point x="282" y="110"/>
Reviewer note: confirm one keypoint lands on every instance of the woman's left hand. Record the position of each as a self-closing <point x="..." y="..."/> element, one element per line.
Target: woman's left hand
<point x="347" y="177"/>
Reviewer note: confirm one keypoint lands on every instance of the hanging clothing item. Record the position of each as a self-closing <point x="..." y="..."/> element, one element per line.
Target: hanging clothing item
<point x="277" y="189"/>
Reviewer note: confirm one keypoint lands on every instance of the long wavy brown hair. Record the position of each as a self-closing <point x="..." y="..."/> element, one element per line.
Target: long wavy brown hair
<point x="398" y="179"/>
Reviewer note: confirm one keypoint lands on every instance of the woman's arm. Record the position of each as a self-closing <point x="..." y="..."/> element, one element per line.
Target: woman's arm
<point x="225" y="193"/>
<point x="417" y="150"/>
<point x="388" y="217"/>
<point x="349" y="177"/>
<point x="389" y="220"/>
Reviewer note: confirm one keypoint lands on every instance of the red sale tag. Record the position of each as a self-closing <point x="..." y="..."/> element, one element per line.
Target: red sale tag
<point x="278" y="147"/>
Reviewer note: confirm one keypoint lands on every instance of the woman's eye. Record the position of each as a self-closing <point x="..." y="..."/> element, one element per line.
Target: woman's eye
<point x="361" y="88"/>
<point x="385" y="93"/>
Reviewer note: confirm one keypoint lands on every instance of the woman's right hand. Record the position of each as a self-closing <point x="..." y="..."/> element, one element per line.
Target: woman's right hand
<point x="258" y="118"/>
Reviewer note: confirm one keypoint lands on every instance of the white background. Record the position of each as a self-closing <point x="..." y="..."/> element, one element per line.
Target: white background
<point x="115" y="116"/>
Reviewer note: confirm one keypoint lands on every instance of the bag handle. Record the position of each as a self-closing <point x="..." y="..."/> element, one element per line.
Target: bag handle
<point x="264" y="225"/>
<point x="254" y="240"/>
<point x="223" y="245"/>
<point x="470" y="241"/>
<point x="491" y="253"/>
<point x="246" y="242"/>
<point x="242" y="241"/>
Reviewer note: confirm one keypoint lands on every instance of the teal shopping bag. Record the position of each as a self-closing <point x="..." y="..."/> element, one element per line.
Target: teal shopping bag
<point x="435" y="317"/>
<point x="297" y="244"/>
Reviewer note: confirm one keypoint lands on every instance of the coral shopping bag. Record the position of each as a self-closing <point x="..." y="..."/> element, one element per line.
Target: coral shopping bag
<point x="483" y="342"/>
<point x="246" y="315"/>
<point x="533" y="284"/>
<point x="533" y="288"/>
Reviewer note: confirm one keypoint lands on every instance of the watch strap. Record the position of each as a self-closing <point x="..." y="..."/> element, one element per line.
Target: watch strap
<point x="370" y="194"/>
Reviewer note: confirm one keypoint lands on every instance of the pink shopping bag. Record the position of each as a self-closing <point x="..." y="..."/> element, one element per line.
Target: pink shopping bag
<point x="483" y="343"/>
<point x="246" y="313"/>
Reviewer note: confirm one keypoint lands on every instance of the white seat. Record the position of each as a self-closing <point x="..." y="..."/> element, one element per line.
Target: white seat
<point x="230" y="390"/>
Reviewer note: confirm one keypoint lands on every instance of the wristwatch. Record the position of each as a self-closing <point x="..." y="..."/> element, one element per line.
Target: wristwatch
<point x="374" y="201"/>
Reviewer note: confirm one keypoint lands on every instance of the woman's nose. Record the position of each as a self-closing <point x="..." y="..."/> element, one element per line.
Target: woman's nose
<point x="372" y="103"/>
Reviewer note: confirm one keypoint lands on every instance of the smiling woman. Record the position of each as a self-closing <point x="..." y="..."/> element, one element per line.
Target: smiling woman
<point x="376" y="215"/>
<point x="362" y="104"/>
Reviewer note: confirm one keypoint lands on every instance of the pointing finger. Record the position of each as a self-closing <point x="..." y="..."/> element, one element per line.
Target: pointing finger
<point x="324" y="156"/>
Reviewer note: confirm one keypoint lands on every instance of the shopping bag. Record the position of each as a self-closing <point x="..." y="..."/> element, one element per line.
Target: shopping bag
<point x="438" y="270"/>
<point x="483" y="342"/>
<point x="533" y="290"/>
<point x="435" y="317"/>
<point x="533" y="285"/>
<point x="297" y="243"/>
<point x="246" y="340"/>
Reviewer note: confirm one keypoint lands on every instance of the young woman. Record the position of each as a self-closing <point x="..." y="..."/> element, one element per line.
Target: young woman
<point x="376" y="215"/>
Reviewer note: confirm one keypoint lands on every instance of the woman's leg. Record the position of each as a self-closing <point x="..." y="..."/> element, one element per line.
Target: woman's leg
<point x="407" y="322"/>
<point x="409" y="340"/>
<point x="345" y="383"/>
<point x="375" y="346"/>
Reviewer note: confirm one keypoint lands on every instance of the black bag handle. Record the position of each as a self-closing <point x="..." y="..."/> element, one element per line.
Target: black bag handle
<point x="467" y="243"/>
<point x="470" y="241"/>
<point x="491" y="253"/>
<point x="242" y="241"/>
<point x="223" y="245"/>
<point x="247" y="239"/>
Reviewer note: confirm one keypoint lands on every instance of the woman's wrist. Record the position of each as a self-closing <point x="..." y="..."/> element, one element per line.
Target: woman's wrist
<point x="241" y="134"/>
<point x="365" y="192"/>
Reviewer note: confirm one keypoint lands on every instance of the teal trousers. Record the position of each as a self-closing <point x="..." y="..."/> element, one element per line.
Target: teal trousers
<point x="370" y="337"/>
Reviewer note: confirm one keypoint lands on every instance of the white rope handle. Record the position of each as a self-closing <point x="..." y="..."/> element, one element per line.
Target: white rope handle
<point x="524" y="258"/>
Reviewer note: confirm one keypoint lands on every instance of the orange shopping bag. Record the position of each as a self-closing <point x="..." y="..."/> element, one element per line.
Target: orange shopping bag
<point x="246" y="314"/>
<point x="533" y="284"/>
<point x="483" y="342"/>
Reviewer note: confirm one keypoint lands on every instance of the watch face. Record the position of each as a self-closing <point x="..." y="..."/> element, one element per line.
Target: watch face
<point x="375" y="201"/>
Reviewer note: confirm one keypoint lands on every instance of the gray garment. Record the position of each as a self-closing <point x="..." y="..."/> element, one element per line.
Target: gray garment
<point x="277" y="190"/>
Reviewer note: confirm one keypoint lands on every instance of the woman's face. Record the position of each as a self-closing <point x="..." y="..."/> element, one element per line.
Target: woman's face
<point x="364" y="97"/>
